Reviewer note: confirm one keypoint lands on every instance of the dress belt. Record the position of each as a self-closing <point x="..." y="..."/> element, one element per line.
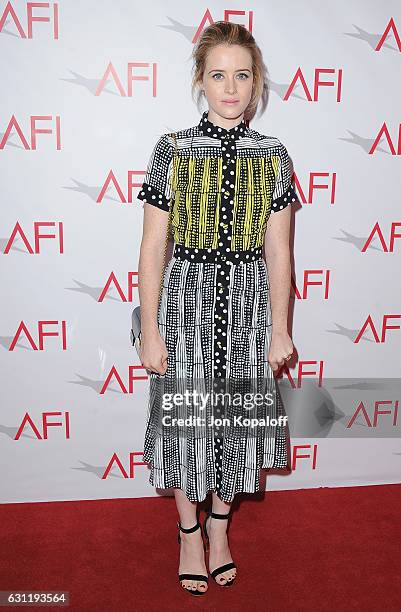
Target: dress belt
<point x="216" y="255"/>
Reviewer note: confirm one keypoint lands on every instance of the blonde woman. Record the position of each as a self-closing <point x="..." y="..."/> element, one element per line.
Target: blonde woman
<point x="224" y="302"/>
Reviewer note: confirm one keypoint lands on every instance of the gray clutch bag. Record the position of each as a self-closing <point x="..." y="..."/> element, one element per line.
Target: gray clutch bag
<point x="136" y="329"/>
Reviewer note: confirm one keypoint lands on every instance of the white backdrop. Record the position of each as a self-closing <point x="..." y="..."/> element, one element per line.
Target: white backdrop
<point x="71" y="422"/>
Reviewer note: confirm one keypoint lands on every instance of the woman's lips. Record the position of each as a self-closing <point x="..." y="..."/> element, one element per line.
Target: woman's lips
<point x="230" y="101"/>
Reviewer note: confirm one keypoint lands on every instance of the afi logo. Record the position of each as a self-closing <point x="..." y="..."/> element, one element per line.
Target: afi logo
<point x="41" y="334"/>
<point x="207" y="20"/>
<point x="115" y="461"/>
<point x="312" y="93"/>
<point x="46" y="15"/>
<point x="305" y="369"/>
<point x="130" y="77"/>
<point x="34" y="249"/>
<point x="112" y="180"/>
<point x="377" y="412"/>
<point x="41" y="430"/>
<point x="369" y="324"/>
<point x="322" y="279"/>
<point x="131" y="378"/>
<point x="326" y="181"/>
<point x="33" y="131"/>
<point x="392" y="235"/>
<point x="112" y="281"/>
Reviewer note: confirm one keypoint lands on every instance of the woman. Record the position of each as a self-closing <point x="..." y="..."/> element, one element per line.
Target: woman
<point x="223" y="310"/>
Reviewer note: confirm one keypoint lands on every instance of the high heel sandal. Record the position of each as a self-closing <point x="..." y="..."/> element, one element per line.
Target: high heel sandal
<point x="191" y="576"/>
<point x="223" y="568"/>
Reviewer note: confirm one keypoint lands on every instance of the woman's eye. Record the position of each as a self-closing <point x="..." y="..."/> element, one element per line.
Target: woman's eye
<point x="243" y="76"/>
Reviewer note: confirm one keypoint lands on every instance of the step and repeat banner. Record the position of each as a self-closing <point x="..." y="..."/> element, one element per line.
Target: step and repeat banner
<point x="87" y="89"/>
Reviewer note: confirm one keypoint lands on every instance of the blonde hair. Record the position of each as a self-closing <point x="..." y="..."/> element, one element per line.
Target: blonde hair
<point x="226" y="33"/>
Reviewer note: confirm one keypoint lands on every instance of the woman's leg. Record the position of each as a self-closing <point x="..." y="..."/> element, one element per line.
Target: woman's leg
<point x="219" y="550"/>
<point x="192" y="557"/>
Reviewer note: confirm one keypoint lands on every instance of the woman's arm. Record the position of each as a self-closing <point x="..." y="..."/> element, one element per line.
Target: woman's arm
<point x="278" y="260"/>
<point x="156" y="192"/>
<point x="150" y="269"/>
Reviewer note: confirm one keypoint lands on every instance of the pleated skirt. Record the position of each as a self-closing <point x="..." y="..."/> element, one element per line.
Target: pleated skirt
<point x="215" y="418"/>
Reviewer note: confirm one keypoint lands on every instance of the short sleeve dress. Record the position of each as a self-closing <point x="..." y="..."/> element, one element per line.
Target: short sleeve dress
<point x="214" y="313"/>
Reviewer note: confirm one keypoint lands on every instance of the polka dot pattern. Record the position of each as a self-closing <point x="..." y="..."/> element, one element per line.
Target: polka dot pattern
<point x="227" y="136"/>
<point x="223" y="253"/>
<point x="224" y="256"/>
<point x="288" y="197"/>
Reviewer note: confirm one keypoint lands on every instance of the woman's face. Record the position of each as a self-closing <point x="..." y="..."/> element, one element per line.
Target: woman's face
<point x="227" y="82"/>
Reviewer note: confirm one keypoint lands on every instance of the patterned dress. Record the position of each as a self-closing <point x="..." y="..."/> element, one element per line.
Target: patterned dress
<point x="214" y="313"/>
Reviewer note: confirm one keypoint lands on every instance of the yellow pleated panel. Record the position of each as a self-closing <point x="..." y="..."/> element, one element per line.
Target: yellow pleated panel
<point x="199" y="195"/>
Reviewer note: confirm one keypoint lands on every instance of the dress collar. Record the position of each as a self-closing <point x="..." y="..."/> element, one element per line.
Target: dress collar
<point x="210" y="129"/>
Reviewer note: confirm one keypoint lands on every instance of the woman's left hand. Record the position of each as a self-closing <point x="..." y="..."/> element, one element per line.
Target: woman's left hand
<point x="281" y="349"/>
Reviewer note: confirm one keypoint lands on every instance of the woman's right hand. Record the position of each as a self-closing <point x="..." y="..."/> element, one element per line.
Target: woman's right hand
<point x="153" y="352"/>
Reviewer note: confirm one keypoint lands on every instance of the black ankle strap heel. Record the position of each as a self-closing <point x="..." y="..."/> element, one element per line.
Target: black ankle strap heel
<point x="227" y="566"/>
<point x="191" y="576"/>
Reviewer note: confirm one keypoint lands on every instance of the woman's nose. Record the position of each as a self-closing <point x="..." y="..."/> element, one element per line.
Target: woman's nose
<point x="230" y="86"/>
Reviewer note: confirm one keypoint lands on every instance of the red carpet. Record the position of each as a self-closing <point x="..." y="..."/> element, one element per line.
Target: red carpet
<point x="317" y="549"/>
